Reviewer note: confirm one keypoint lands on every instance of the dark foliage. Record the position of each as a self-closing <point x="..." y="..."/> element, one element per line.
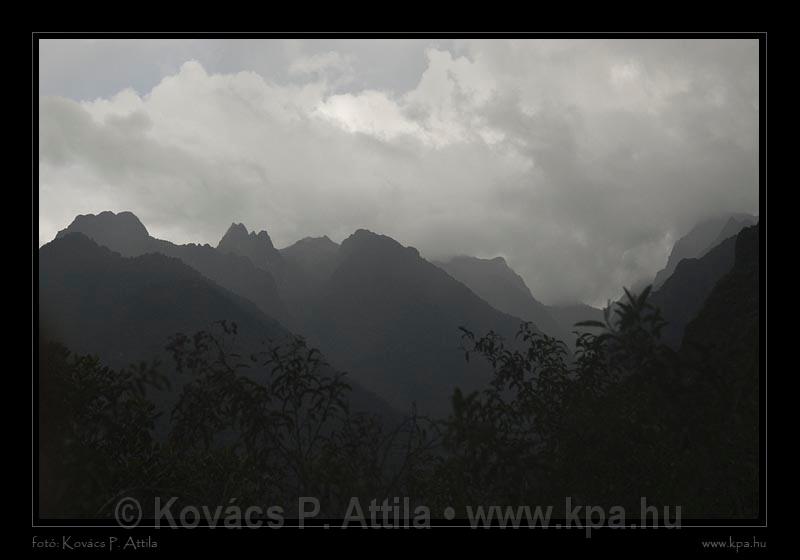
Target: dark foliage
<point x="625" y="417"/>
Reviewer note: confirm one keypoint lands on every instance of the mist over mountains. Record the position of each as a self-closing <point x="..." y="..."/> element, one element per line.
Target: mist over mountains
<point x="125" y="234"/>
<point x="125" y="310"/>
<point x="464" y="277"/>
<point x="703" y="237"/>
<point x="375" y="308"/>
<point x="391" y="318"/>
<point x="361" y="368"/>
<point x="504" y="289"/>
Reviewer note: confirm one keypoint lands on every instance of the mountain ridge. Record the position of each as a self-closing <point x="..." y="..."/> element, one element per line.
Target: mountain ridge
<point x="704" y="236"/>
<point x="498" y="284"/>
<point x="125" y="309"/>
<point x="124" y="233"/>
<point x="392" y="318"/>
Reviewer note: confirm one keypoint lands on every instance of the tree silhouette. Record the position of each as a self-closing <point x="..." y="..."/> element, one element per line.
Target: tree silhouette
<point x="623" y="417"/>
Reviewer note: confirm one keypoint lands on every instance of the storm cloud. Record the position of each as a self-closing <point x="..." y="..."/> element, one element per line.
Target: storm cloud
<point x="579" y="161"/>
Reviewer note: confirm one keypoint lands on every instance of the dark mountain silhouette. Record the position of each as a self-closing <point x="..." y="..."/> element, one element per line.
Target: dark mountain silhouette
<point x="315" y="256"/>
<point x="124" y="310"/>
<point x="505" y="290"/>
<point x="727" y="325"/>
<point x="255" y="246"/>
<point x="685" y="292"/>
<point x="391" y="319"/>
<point x="125" y="234"/>
<point x="702" y="238"/>
<point x="724" y="338"/>
<point x="122" y="232"/>
<point x="371" y="305"/>
<point x="376" y="308"/>
<point x="297" y="273"/>
<point x="567" y="315"/>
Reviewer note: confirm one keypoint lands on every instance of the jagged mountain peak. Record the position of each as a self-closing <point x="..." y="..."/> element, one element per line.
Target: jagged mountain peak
<point x="310" y="250"/>
<point x="465" y="267"/>
<point x="237" y="235"/>
<point x="501" y="286"/>
<point x="125" y="234"/>
<point x="366" y="242"/>
<point x="257" y="247"/>
<point x="364" y="235"/>
<point x="316" y="242"/>
<point x="316" y="257"/>
<point x="122" y="232"/>
<point x="124" y="223"/>
<point x="236" y="229"/>
<point x="704" y="236"/>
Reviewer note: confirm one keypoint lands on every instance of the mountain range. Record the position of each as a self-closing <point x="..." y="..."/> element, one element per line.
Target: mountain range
<point x="374" y="307"/>
<point x="125" y="234"/>
<point x="391" y="318"/>
<point x="724" y="337"/>
<point x="683" y="292"/>
<point x="494" y="281"/>
<point x="124" y="310"/>
<point x="703" y="237"/>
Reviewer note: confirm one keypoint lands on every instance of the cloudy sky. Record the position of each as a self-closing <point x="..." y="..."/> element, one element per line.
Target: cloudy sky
<point x="579" y="161"/>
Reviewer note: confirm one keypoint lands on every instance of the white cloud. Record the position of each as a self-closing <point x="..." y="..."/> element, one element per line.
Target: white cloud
<point x="321" y="64"/>
<point x="577" y="161"/>
<point x="369" y="112"/>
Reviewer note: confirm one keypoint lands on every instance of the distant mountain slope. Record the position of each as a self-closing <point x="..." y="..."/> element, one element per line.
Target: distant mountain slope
<point x="391" y="319"/>
<point x="733" y="226"/>
<point x="728" y="322"/>
<point x="505" y="290"/>
<point x="316" y="256"/>
<point x="685" y="292"/>
<point x="567" y="315"/>
<point x="298" y="270"/>
<point x="255" y="246"/>
<point x="125" y="309"/>
<point x="124" y="233"/>
<point x="702" y="238"/>
<point x="724" y="337"/>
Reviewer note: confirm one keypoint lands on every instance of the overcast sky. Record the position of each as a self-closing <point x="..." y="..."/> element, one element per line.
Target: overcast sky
<point x="579" y="161"/>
